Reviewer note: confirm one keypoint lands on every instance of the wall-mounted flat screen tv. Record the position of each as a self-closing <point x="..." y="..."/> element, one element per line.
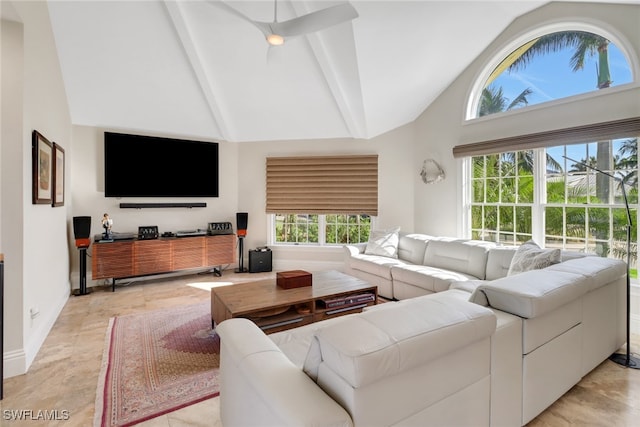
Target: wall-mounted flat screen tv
<point x="145" y="166"/>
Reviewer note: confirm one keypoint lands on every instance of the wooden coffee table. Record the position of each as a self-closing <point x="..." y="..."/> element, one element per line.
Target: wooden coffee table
<point x="275" y="309"/>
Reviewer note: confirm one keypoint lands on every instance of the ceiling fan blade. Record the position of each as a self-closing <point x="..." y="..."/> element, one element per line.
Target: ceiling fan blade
<point x="262" y="26"/>
<point x="315" y="21"/>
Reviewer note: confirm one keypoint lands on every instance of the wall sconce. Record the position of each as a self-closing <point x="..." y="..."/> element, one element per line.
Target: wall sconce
<point x="431" y="172"/>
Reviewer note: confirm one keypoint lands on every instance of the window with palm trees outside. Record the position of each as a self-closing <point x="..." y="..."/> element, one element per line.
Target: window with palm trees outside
<point x="312" y="229"/>
<point x="577" y="208"/>
<point x="567" y="196"/>
<point x="553" y="66"/>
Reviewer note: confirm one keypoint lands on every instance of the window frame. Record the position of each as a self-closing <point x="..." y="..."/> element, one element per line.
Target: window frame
<point x="474" y="94"/>
<point x="271" y="234"/>
<point x="540" y="203"/>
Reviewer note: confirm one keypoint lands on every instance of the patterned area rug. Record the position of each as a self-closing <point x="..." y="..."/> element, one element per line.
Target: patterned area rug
<point x="155" y="363"/>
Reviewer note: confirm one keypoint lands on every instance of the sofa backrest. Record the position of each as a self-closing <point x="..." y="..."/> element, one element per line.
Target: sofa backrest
<point x="411" y="247"/>
<point x="499" y="261"/>
<point x="464" y="256"/>
<point x="396" y="337"/>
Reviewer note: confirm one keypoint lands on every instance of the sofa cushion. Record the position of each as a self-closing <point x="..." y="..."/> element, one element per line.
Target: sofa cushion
<point x="411" y="247"/>
<point x="381" y="343"/>
<point x="499" y="261"/>
<point x="534" y="293"/>
<point x="375" y="264"/>
<point x="597" y="270"/>
<point x="465" y="256"/>
<point x="383" y="243"/>
<point x="429" y="278"/>
<point x="530" y="256"/>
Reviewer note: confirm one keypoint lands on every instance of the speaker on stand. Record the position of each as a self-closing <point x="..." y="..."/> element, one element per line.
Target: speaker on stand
<point x="81" y="232"/>
<point x="242" y="218"/>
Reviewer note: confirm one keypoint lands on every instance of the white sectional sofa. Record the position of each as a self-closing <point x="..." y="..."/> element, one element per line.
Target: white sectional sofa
<point x="469" y="345"/>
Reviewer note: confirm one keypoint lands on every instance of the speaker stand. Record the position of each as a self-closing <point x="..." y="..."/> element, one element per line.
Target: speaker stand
<point x="240" y="268"/>
<point x="83" y="274"/>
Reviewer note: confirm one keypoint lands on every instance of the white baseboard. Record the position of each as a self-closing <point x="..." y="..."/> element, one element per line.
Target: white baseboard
<point x="15" y="363"/>
<point x="39" y="335"/>
<point x="310" y="266"/>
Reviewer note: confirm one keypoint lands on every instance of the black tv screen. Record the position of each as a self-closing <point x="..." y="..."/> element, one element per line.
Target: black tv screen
<point x="144" y="166"/>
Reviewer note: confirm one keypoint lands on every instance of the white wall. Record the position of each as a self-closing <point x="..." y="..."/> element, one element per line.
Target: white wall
<point x="33" y="236"/>
<point x="442" y="125"/>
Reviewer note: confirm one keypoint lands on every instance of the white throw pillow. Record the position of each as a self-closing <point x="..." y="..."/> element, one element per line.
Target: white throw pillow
<point x="383" y="243"/>
<point x="530" y="256"/>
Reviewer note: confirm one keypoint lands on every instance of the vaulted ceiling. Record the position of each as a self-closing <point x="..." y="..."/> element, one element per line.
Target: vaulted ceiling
<point x="193" y="68"/>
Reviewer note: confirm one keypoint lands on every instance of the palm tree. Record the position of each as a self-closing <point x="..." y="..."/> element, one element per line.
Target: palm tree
<point x="493" y="100"/>
<point x="584" y="45"/>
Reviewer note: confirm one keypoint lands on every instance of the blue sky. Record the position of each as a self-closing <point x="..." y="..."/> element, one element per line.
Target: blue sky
<point x="550" y="77"/>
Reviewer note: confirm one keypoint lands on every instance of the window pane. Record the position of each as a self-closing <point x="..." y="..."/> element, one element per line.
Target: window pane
<point x="549" y="65"/>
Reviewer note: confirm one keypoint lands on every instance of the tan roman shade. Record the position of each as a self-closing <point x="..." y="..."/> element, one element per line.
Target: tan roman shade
<point x="323" y="184"/>
<point x="625" y="128"/>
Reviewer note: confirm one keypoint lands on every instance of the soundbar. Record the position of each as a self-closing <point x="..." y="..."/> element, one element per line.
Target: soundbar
<point x="162" y="205"/>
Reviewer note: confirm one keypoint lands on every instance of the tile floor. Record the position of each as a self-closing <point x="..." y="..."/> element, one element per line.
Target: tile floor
<point x="64" y="374"/>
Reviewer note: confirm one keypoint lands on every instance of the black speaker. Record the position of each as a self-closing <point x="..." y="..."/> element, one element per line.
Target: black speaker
<point x="260" y="261"/>
<point x="242" y="218"/>
<point x="81" y="227"/>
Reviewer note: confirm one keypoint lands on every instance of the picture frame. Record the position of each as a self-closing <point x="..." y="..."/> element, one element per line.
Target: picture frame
<point x="42" y="165"/>
<point x="58" y="175"/>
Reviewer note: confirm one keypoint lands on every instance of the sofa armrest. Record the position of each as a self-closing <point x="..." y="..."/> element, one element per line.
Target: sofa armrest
<point x="533" y="293"/>
<point x="354" y="249"/>
<point x="256" y="374"/>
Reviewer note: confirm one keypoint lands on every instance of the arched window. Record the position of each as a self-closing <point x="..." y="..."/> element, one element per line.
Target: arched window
<point x="567" y="188"/>
<point x="551" y="66"/>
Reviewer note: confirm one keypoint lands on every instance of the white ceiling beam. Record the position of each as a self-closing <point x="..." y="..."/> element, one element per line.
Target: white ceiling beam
<point x="208" y="90"/>
<point x="344" y="83"/>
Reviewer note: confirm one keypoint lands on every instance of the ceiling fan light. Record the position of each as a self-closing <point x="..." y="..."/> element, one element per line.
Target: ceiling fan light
<point x="275" y="39"/>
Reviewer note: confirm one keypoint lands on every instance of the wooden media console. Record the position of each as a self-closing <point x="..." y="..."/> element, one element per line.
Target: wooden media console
<point x="131" y="258"/>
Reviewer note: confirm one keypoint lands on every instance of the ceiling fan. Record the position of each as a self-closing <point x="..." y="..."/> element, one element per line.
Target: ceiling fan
<point x="276" y="32"/>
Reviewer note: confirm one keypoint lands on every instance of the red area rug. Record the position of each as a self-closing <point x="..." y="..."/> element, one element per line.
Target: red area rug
<point x="155" y="363"/>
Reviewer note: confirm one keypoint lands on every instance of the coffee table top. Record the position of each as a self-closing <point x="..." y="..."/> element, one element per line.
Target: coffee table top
<point x="265" y="294"/>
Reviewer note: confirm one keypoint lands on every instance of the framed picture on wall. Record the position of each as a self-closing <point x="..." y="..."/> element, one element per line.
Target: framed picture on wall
<point x="58" y="175"/>
<point x="42" y="169"/>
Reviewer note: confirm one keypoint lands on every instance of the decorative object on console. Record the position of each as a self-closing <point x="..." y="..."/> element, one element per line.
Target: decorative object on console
<point x="107" y="224"/>
<point x="242" y="219"/>
<point x="621" y="359"/>
<point x="81" y="232"/>
<point x="42" y="154"/>
<point x="293" y="279"/>
<point x="431" y="172"/>
<point x="148" y="232"/>
<point x="219" y="228"/>
<point x="383" y="242"/>
<point x="530" y="256"/>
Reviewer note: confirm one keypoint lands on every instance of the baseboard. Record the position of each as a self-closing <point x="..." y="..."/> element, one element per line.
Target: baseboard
<point x="40" y="334"/>
<point x="310" y="266"/>
<point x="15" y="363"/>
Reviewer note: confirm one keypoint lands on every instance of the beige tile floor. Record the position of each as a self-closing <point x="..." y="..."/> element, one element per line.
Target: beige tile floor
<point x="64" y="374"/>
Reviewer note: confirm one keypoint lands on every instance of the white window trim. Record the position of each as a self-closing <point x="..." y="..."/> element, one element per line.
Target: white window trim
<point x="271" y="226"/>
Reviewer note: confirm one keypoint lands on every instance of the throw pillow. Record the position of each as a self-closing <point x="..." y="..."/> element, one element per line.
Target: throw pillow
<point x="529" y="256"/>
<point x="383" y="243"/>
